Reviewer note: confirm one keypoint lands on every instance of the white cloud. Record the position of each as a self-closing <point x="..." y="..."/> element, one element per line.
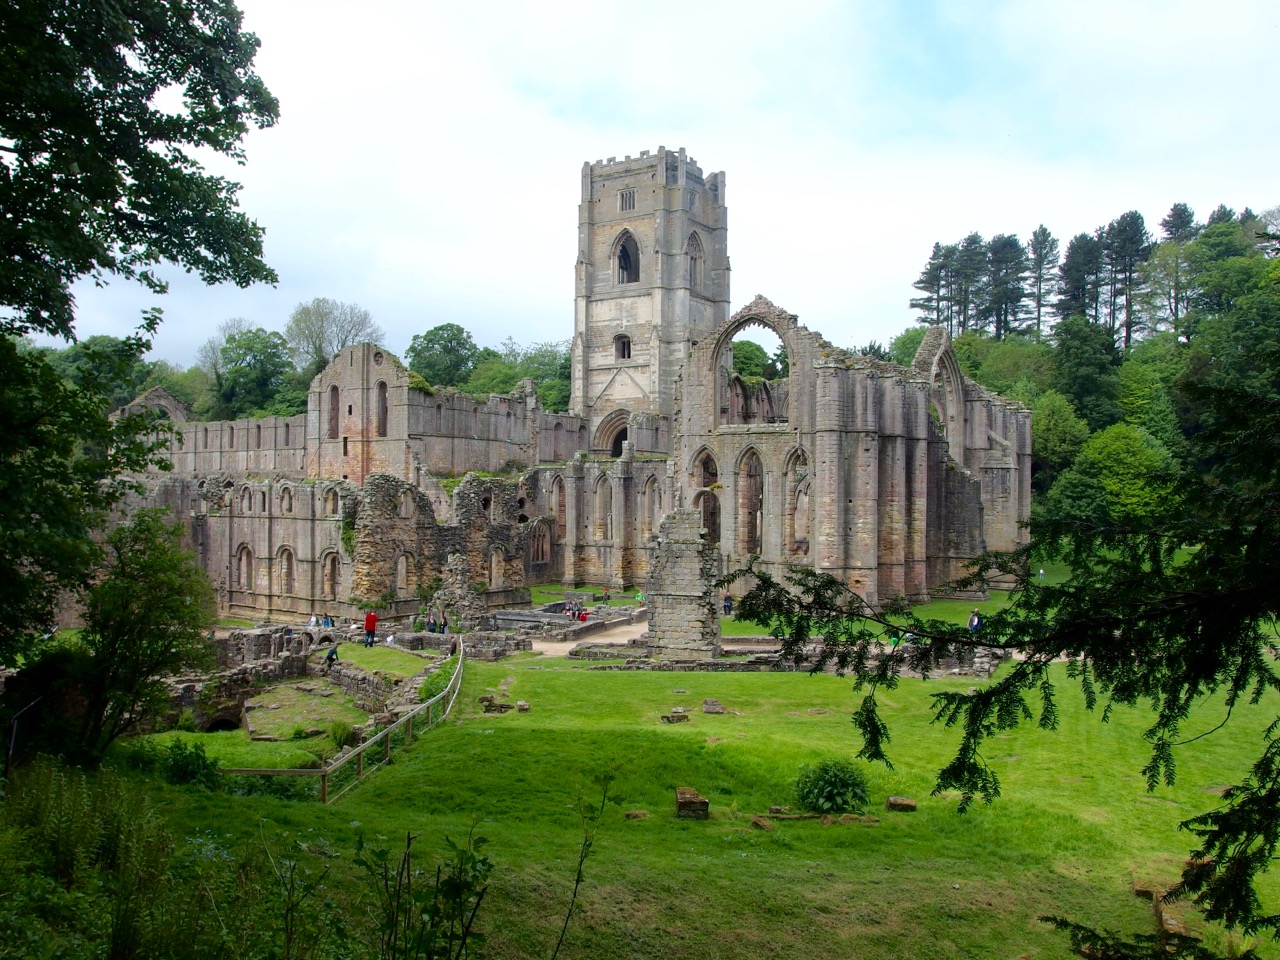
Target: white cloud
<point x="427" y="161"/>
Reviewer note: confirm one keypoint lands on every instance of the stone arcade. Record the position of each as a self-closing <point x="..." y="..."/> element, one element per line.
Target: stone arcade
<point x="890" y="478"/>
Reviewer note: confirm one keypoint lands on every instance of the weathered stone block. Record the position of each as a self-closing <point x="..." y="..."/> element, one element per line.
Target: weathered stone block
<point x="675" y="718"/>
<point x="900" y="804"/>
<point x="690" y="805"/>
<point x="711" y="705"/>
<point x="522" y="706"/>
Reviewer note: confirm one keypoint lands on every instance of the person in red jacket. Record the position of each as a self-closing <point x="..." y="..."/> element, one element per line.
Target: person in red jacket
<point x="370" y="628"/>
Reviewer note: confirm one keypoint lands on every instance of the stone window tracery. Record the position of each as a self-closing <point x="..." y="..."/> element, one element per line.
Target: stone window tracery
<point x="627" y="257"/>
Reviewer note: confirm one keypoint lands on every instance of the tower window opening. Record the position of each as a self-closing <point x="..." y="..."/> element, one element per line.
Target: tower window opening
<point x="626" y="200"/>
<point x="628" y="260"/>
<point x="622" y="348"/>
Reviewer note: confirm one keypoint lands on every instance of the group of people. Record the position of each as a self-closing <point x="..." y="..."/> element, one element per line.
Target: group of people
<point x="324" y="620"/>
<point x="437" y="622"/>
<point x="575" y="610"/>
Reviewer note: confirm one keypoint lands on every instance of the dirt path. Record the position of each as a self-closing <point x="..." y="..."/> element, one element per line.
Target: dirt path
<point x="558" y="648"/>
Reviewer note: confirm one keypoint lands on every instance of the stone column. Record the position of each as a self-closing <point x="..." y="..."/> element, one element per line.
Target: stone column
<point x="828" y="473"/>
<point x="864" y="489"/>
<point x="572" y="521"/>
<point x="623" y="513"/>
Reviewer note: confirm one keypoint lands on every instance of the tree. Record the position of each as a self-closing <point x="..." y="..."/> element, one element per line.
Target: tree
<point x="99" y="177"/>
<point x="904" y="347"/>
<point x="969" y="272"/>
<point x="444" y="356"/>
<point x="319" y="330"/>
<point x="1080" y="278"/>
<point x="1003" y="287"/>
<point x="1167" y="604"/>
<point x="1086" y="361"/>
<point x="62" y="457"/>
<point x="1221" y="214"/>
<point x="1057" y="434"/>
<point x="1126" y="244"/>
<point x="1179" y="224"/>
<point x="934" y="285"/>
<point x="109" y="363"/>
<point x="254" y="366"/>
<point x="1122" y="477"/>
<point x="1042" y="257"/>
<point x="749" y="358"/>
<point x="144" y="621"/>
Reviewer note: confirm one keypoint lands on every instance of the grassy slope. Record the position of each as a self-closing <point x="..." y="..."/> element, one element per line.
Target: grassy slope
<point x="1074" y="825"/>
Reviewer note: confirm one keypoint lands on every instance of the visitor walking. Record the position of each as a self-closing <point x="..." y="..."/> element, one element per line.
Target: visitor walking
<point x="331" y="657"/>
<point x="975" y="621"/>
<point x="370" y="628"/>
<point x="728" y="605"/>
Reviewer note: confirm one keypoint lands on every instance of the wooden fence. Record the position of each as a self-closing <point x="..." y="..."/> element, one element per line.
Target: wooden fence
<point x="349" y="769"/>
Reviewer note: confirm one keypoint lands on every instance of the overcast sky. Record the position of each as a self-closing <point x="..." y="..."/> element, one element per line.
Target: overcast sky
<point x="427" y="160"/>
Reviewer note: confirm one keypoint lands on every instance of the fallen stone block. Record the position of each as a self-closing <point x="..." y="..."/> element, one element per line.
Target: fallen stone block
<point x="779" y="809"/>
<point x="637" y="814"/>
<point x="493" y="707"/>
<point x="711" y="705"/>
<point x="900" y="804"/>
<point x="522" y="706"/>
<point x="675" y="718"/>
<point x="690" y="805"/>
<point x="763" y="823"/>
<point x="486" y="698"/>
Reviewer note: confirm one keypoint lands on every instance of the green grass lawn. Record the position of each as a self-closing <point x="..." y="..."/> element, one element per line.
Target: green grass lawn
<point x="396" y="664"/>
<point x="1073" y="827"/>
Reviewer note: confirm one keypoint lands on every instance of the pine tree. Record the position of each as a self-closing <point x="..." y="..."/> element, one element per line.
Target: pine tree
<point x="1042" y="255"/>
<point x="1080" y="278"/>
<point x="1004" y="288"/>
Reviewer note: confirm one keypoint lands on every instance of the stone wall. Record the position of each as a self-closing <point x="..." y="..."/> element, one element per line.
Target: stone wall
<point x="683" y="621"/>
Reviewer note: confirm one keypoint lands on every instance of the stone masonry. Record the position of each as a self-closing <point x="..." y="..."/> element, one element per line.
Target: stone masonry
<point x="890" y="478"/>
<point x="681" y="591"/>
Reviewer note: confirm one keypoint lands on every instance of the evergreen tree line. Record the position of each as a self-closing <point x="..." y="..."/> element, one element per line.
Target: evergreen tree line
<point x="1139" y="328"/>
<point x="1119" y="277"/>
<point x="249" y="371"/>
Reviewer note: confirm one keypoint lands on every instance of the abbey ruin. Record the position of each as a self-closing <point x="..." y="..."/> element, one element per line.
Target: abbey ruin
<point x="890" y="478"/>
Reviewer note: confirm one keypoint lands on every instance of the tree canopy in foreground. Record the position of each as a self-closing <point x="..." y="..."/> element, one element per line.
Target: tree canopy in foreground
<point x="1165" y="607"/>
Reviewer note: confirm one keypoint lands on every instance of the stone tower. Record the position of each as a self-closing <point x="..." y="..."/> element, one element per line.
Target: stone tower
<point x="652" y="280"/>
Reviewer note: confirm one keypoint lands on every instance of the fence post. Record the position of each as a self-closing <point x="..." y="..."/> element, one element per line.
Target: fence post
<point x="360" y="765"/>
<point x="324" y="786"/>
<point x="386" y="747"/>
<point x="409" y="729"/>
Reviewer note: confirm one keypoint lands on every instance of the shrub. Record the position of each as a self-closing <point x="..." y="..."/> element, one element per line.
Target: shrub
<point x="341" y="732"/>
<point x="186" y="720"/>
<point x="184" y="764"/>
<point x="832" y="786"/>
<point x="436" y="682"/>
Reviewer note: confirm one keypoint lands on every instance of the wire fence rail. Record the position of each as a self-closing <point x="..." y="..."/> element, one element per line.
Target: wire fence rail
<point x="345" y="772"/>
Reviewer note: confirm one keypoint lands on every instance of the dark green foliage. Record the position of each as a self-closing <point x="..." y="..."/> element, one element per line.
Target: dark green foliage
<point x="444" y="356"/>
<point x="61" y="457"/>
<point x="1169" y="600"/>
<point x="1080" y="278"/>
<point x="1042" y="265"/>
<point x="415" y="919"/>
<point x="903" y="347"/>
<point x="832" y="786"/>
<point x="749" y="359"/>
<point x="144" y="620"/>
<point x="185" y="763"/>
<point x="100" y="179"/>
<point x="1086" y="363"/>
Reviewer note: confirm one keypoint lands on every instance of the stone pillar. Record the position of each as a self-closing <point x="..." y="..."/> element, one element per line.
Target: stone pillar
<point x="863" y="490"/>
<point x="828" y="473"/>
<point x="623" y="513"/>
<point x="572" y="521"/>
<point x="680" y="591"/>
